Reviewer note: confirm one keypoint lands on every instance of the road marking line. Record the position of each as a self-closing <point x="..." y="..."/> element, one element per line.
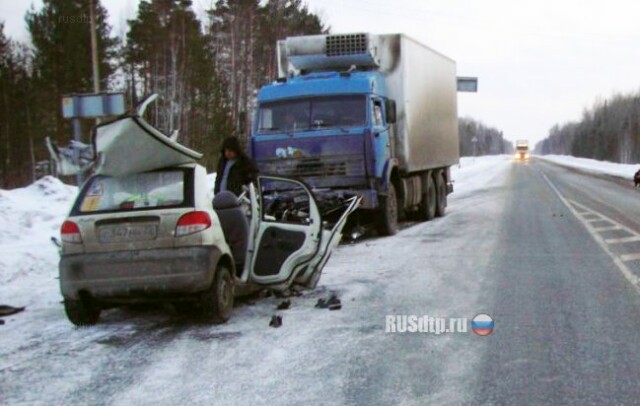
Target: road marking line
<point x="622" y="240"/>
<point x="630" y="257"/>
<point x="631" y="277"/>
<point x="593" y="220"/>
<point x="608" y="228"/>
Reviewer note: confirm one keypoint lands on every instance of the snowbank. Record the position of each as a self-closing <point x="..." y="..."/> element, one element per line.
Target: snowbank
<point x="475" y="173"/>
<point x="624" y="171"/>
<point x="30" y="216"/>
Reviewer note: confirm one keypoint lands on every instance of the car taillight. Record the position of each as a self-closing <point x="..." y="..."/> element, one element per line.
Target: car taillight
<point x="70" y="232"/>
<point x="193" y="222"/>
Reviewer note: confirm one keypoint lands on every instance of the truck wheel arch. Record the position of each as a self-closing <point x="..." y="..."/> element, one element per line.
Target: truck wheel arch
<point x="392" y="176"/>
<point x="390" y="170"/>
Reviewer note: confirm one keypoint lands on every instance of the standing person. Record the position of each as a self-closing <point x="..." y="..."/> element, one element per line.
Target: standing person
<point x="636" y="178"/>
<point x="235" y="169"/>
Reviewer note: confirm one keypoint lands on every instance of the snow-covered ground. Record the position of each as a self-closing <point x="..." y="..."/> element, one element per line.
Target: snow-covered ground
<point x="31" y="216"/>
<point x="28" y="258"/>
<point x="142" y="356"/>
<point x="624" y="171"/>
<point x="154" y="357"/>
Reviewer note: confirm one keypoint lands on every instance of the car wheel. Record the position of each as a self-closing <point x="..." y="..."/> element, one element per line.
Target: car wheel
<point x="388" y="223"/>
<point x="217" y="301"/>
<point x="82" y="312"/>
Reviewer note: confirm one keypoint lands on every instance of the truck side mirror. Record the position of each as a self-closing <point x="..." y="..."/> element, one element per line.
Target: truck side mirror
<point x="390" y="108"/>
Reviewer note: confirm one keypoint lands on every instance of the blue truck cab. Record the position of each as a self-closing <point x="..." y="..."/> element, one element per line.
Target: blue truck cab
<point x="328" y="128"/>
<point x="354" y="115"/>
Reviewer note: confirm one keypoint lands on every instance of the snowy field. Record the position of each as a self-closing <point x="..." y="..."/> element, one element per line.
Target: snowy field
<point x="154" y="357"/>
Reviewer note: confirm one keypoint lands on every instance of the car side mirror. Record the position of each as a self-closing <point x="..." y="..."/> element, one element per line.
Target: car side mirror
<point x="390" y="108"/>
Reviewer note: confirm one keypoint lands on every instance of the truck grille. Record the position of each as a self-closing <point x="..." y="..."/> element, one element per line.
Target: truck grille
<point x="341" y="165"/>
<point x="352" y="44"/>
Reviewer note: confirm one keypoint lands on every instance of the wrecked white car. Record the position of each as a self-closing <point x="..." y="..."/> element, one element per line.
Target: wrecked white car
<point x="143" y="228"/>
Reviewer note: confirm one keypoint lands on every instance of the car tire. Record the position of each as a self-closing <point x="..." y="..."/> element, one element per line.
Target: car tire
<point x="82" y="312"/>
<point x="388" y="222"/>
<point x="217" y="301"/>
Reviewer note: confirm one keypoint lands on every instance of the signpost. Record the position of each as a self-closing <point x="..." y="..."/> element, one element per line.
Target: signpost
<point x="474" y="140"/>
<point x="90" y="105"/>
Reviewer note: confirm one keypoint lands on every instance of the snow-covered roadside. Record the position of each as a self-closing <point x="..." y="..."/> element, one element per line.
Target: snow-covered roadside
<point x="31" y="216"/>
<point x="317" y="357"/>
<point x="624" y="171"/>
<point x="472" y="174"/>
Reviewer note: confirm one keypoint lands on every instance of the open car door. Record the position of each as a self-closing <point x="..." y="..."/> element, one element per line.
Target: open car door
<point x="288" y="243"/>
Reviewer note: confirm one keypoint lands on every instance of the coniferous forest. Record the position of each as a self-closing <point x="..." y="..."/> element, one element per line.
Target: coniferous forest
<point x="609" y="131"/>
<point x="205" y="68"/>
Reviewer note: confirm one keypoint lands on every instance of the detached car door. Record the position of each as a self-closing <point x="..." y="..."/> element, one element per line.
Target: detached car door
<point x="287" y="241"/>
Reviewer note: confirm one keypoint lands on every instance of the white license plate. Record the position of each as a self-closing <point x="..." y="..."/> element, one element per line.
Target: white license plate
<point x="127" y="233"/>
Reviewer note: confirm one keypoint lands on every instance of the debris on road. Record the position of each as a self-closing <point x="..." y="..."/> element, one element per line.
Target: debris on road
<point x="331" y="303"/>
<point x="276" y="321"/>
<point x="284" y="305"/>
<point x="6" y="310"/>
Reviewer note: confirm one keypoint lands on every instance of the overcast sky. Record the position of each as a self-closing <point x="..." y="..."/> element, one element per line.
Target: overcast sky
<point x="538" y="62"/>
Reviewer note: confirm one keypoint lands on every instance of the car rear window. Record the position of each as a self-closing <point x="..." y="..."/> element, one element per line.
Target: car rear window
<point x="142" y="191"/>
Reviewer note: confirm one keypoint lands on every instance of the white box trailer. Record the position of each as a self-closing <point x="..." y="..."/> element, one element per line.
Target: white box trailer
<point x="423" y="85"/>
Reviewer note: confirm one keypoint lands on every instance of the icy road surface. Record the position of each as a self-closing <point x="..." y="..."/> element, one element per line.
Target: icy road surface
<point x="567" y="324"/>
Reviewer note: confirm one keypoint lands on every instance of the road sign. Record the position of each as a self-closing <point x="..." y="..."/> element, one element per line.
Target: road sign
<point x="92" y="105"/>
<point x="467" y="84"/>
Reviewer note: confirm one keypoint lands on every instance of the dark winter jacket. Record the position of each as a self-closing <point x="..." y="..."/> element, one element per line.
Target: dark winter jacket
<point x="242" y="172"/>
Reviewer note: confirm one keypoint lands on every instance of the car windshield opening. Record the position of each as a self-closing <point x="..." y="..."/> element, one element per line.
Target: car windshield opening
<point x="134" y="192"/>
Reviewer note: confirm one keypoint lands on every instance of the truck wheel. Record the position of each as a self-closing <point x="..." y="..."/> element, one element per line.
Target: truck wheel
<point x="217" y="301"/>
<point x="427" y="208"/>
<point x="388" y="224"/>
<point x="441" y="191"/>
<point x="82" y="312"/>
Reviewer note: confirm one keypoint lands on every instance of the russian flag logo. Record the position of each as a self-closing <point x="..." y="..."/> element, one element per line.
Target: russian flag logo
<point x="482" y="325"/>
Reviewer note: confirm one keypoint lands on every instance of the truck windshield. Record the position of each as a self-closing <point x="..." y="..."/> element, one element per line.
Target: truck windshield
<point x="312" y="114"/>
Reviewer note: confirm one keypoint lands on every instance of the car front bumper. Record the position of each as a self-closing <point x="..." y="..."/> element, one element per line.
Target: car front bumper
<point x="130" y="276"/>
